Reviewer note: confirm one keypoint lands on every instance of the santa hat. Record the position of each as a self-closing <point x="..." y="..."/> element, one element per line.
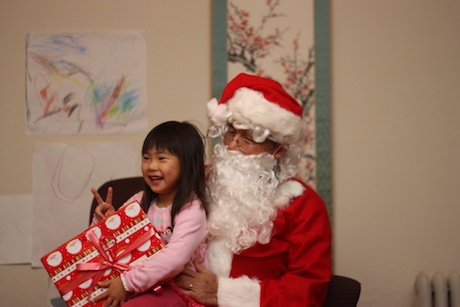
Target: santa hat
<point x="259" y="103"/>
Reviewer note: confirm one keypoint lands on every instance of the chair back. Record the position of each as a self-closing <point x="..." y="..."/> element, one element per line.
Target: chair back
<point x="343" y="292"/>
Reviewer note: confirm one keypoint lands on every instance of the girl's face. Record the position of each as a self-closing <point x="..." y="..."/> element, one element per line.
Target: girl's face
<point x="161" y="172"/>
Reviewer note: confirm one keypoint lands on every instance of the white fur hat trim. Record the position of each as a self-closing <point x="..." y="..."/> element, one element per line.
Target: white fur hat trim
<point x="250" y="107"/>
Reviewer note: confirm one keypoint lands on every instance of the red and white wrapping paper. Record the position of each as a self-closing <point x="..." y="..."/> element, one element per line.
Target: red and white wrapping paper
<point x="117" y="243"/>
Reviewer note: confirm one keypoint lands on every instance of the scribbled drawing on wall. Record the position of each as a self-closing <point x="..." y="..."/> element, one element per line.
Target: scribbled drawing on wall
<point x="272" y="39"/>
<point x="74" y="163"/>
<point x="63" y="175"/>
<point x="85" y="83"/>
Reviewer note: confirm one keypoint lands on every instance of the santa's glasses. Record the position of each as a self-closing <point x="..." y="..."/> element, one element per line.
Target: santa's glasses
<point x="244" y="139"/>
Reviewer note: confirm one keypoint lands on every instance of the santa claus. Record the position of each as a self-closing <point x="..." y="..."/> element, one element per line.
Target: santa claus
<point x="270" y="237"/>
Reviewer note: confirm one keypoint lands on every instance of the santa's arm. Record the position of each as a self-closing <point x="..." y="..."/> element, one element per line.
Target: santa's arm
<point x="309" y="259"/>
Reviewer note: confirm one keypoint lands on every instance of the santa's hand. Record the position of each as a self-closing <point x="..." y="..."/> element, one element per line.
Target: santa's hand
<point x="104" y="208"/>
<point x="200" y="285"/>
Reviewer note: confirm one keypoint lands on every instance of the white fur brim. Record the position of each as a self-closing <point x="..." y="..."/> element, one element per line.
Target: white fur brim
<point x="250" y="107"/>
<point x="238" y="292"/>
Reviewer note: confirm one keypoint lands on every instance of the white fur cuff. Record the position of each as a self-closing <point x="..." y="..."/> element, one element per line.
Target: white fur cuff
<point x="238" y="292"/>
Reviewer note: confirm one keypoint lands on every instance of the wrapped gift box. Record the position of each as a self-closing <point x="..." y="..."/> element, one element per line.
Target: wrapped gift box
<point x="117" y="243"/>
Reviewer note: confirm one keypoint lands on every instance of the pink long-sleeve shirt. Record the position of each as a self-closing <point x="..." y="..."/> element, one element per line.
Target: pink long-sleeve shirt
<point x="185" y="244"/>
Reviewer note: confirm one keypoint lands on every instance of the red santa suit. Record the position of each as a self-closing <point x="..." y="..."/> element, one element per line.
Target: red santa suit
<point x="293" y="269"/>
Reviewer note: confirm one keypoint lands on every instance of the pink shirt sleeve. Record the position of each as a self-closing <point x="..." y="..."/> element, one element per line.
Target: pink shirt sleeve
<point x="188" y="239"/>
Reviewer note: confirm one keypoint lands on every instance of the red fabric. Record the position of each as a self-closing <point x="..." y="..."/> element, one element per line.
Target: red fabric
<point x="190" y="302"/>
<point x="170" y="295"/>
<point x="271" y="89"/>
<point x="295" y="266"/>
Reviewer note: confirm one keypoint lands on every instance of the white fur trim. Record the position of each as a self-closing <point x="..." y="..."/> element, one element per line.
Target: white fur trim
<point x="219" y="257"/>
<point x="238" y="292"/>
<point x="250" y="107"/>
<point x="286" y="191"/>
<point x="217" y="113"/>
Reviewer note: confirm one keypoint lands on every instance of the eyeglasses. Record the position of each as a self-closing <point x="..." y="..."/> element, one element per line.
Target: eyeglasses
<point x="240" y="136"/>
<point x="243" y="139"/>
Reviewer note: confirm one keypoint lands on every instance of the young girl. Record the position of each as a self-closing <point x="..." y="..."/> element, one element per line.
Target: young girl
<point x="174" y="199"/>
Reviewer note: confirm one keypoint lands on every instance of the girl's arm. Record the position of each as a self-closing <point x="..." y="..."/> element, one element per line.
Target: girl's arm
<point x="189" y="232"/>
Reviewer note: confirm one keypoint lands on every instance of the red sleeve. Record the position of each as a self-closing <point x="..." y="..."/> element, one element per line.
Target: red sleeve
<point x="305" y="227"/>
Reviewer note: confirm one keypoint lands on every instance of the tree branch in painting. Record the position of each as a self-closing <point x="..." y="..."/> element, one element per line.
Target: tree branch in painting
<point x="299" y="76"/>
<point x="245" y="43"/>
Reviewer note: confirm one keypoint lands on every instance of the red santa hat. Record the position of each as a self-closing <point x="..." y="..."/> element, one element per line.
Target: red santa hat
<point x="255" y="102"/>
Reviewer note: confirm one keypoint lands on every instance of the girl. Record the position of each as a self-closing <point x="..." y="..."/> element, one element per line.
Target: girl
<point x="174" y="199"/>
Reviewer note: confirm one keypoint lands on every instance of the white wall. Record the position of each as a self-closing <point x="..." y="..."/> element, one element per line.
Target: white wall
<point x="396" y="143"/>
<point x="179" y="83"/>
<point x="396" y="123"/>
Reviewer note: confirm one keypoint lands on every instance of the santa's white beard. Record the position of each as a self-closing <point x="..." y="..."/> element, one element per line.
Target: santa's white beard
<point x="243" y="190"/>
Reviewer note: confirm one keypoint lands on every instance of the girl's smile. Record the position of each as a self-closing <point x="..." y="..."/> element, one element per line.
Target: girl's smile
<point x="155" y="179"/>
<point x="161" y="171"/>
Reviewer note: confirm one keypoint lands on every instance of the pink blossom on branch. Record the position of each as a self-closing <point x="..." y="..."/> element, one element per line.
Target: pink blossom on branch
<point x="246" y="44"/>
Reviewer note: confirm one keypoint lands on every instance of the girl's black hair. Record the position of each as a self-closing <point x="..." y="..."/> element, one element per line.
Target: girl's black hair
<point x="185" y="141"/>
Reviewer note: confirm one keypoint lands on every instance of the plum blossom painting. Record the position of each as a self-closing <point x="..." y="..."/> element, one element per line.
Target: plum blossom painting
<point x="85" y="83"/>
<point x="286" y="40"/>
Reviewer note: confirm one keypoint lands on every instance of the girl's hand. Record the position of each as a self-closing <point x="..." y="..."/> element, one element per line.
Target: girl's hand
<point x="115" y="294"/>
<point x="104" y="208"/>
<point x="201" y="285"/>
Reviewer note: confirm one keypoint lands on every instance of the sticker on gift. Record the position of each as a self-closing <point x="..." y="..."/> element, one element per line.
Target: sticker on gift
<point x="125" y="259"/>
<point x="74" y="246"/>
<point x="113" y="222"/>
<point x="96" y="230"/>
<point x="145" y="246"/>
<point x="133" y="210"/>
<point x="86" y="284"/>
<point x="67" y="296"/>
<point x="54" y="259"/>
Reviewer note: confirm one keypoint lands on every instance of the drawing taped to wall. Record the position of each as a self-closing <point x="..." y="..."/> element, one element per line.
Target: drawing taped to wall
<point x="63" y="175"/>
<point x="85" y="83"/>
